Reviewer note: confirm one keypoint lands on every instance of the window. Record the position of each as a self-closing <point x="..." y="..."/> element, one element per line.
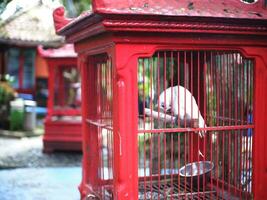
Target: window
<point x="13" y="66"/>
<point x="67" y="87"/>
<point x="20" y="66"/>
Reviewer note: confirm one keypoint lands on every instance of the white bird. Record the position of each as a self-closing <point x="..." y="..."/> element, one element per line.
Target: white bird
<point x="179" y="101"/>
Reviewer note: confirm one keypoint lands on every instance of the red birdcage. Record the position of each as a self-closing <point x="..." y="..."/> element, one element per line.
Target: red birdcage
<point x="173" y="98"/>
<point x="63" y="127"/>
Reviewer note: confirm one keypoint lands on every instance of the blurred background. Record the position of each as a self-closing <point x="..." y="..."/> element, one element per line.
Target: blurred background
<point x="27" y="169"/>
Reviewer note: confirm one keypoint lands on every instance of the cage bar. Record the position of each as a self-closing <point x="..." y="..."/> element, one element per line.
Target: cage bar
<point x="187" y="99"/>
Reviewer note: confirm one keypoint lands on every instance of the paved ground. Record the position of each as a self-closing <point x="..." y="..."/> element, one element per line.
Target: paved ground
<point x="27" y="152"/>
<point x="40" y="183"/>
<point x="28" y="174"/>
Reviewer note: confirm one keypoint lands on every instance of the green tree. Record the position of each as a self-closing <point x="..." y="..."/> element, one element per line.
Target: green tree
<point x="76" y="7"/>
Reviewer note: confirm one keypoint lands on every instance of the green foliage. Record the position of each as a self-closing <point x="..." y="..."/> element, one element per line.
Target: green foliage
<point x="82" y="5"/>
<point x="16" y="120"/>
<point x="76" y="7"/>
<point x="6" y="93"/>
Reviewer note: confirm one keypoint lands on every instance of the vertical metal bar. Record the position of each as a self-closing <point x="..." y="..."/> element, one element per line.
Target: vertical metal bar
<point x="208" y="111"/>
<point x="242" y="83"/>
<point x="107" y="94"/>
<point x="205" y="90"/>
<point x="159" y="160"/>
<point x="217" y="120"/>
<point x="100" y="153"/>
<point x="198" y="103"/>
<point x="172" y="103"/>
<point x="179" y="160"/>
<point x="151" y="125"/>
<point x="185" y="134"/>
<point x="223" y="63"/>
<point x="246" y="136"/>
<point x="242" y="92"/>
<point x="211" y="115"/>
<point x="172" y="166"/>
<point x="144" y="121"/>
<point x="165" y="123"/>
<point x="185" y="85"/>
<point x="102" y="92"/>
<point x="178" y="80"/>
<point x="150" y="161"/>
<point x="191" y="133"/>
<point x="108" y="118"/>
<point x="151" y="88"/>
<point x="159" y="149"/>
<point x="236" y="166"/>
<point x="229" y="83"/>
<point x="248" y="91"/>
<point x="249" y="102"/>
<point x="111" y="95"/>
<point x="235" y="162"/>
<point x="249" y="118"/>
<point x="144" y="96"/>
<point x="164" y="85"/>
<point x="110" y="156"/>
<point x="240" y="122"/>
<point x="98" y="90"/>
<point x="102" y="103"/>
<point x="252" y="117"/>
<point x="208" y="86"/>
<point x="191" y="85"/>
<point x="172" y="123"/>
<point x="111" y="114"/>
<point x="252" y="81"/>
<point x="109" y="153"/>
<point x="205" y="108"/>
<point x="185" y="160"/>
<point x="179" y="134"/>
<point x="104" y="141"/>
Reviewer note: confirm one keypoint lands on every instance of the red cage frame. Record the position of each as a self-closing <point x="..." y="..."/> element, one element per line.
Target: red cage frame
<point x="59" y="134"/>
<point x="125" y="32"/>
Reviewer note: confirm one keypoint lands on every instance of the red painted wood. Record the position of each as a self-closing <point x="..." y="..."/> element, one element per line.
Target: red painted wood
<point x="59" y="18"/>
<point x="126" y="31"/>
<point x="60" y="134"/>
<point x="219" y="8"/>
<point x="83" y="65"/>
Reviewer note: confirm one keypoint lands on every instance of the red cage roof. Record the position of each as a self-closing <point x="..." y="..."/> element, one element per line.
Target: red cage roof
<point x="202" y="8"/>
<point x="217" y="16"/>
<point x="66" y="51"/>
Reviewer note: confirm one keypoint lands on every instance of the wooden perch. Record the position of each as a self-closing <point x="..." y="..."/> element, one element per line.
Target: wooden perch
<point x="169" y="118"/>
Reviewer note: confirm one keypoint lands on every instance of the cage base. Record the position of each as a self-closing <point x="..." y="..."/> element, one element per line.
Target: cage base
<point x="167" y="189"/>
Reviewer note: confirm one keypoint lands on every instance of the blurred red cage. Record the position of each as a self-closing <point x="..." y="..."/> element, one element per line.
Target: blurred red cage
<point x="63" y="126"/>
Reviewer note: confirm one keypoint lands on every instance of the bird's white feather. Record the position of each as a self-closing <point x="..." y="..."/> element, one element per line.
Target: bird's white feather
<point x="181" y="103"/>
